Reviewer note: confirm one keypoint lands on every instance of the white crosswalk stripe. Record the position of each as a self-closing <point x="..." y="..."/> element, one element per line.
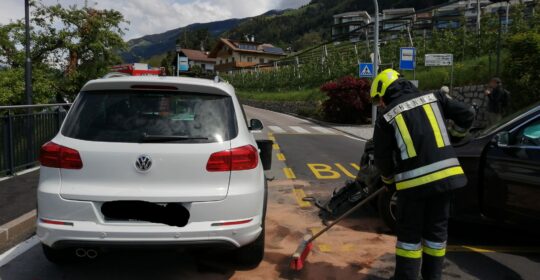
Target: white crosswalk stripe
<point x="276" y="129"/>
<point x="323" y="130"/>
<point x="299" y="129"/>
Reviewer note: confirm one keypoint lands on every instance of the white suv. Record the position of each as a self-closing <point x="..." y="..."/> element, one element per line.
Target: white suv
<point x="153" y="161"/>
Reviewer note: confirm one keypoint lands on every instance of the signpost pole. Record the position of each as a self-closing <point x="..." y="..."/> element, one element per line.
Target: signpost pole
<point x="375" y="56"/>
<point x="452" y="77"/>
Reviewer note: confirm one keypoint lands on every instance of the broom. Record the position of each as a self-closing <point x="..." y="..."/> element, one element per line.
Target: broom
<point x="301" y="253"/>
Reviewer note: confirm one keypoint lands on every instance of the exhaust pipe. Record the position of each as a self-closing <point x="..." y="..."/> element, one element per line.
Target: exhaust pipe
<point x="91" y="253"/>
<point x="81" y="253"/>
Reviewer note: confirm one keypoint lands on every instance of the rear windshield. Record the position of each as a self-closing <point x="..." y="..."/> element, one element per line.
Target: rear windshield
<point x="132" y="116"/>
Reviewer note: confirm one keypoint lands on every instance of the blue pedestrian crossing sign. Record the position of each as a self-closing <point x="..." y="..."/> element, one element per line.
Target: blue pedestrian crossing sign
<point x="366" y="70"/>
<point x="407" y="58"/>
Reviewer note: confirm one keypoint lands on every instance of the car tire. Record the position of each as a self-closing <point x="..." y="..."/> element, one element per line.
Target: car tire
<point x="387" y="204"/>
<point x="57" y="256"/>
<point x="251" y="255"/>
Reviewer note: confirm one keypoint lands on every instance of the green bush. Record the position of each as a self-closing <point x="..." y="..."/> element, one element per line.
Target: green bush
<point x="522" y="70"/>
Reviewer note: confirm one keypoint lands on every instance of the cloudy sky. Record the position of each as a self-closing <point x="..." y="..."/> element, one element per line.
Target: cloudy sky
<point x="155" y="16"/>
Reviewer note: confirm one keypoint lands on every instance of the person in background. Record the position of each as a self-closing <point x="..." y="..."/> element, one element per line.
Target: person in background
<point x="497" y="100"/>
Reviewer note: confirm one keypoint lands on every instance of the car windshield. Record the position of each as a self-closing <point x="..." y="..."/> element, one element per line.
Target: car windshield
<point x="140" y="116"/>
<point x="507" y="119"/>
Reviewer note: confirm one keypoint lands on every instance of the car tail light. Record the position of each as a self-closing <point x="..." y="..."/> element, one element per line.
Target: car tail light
<point x="57" y="156"/>
<point x="241" y="158"/>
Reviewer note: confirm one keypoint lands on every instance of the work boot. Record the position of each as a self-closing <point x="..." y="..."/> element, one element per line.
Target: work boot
<point x="432" y="267"/>
<point x="407" y="268"/>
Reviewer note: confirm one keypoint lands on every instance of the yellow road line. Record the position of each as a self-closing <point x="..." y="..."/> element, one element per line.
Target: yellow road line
<point x="280" y="156"/>
<point x="355" y="166"/>
<point x="270" y="134"/>
<point x="289" y="173"/>
<point x="348" y="247"/>
<point x="272" y="138"/>
<point x="492" y="249"/>
<point x="325" y="248"/>
<point x="299" y="194"/>
<point x="275" y="146"/>
<point x="315" y="230"/>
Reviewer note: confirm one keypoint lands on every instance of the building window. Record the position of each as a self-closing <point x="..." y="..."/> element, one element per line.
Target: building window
<point x="261" y="60"/>
<point x="249" y="59"/>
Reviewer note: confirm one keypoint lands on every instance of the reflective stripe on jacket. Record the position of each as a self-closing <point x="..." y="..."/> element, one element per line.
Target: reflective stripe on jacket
<point x="412" y="143"/>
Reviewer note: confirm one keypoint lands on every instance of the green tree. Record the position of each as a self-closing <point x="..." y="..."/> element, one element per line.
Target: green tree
<point x="70" y="45"/>
<point x="522" y="69"/>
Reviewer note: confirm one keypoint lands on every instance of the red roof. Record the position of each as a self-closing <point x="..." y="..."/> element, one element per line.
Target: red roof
<point x="197" y="55"/>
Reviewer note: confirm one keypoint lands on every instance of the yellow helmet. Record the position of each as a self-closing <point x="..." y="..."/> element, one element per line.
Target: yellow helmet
<point x="382" y="82"/>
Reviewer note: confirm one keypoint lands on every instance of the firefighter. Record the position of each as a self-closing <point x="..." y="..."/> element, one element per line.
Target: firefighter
<point x="415" y="157"/>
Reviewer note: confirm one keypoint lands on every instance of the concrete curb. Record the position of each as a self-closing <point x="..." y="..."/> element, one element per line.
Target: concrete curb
<point x="328" y="125"/>
<point x="16" y="231"/>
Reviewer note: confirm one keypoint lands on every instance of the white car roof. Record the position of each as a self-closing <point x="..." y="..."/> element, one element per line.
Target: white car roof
<point x="182" y="83"/>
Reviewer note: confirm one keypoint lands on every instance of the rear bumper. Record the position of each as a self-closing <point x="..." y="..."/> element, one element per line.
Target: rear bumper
<point x="144" y="234"/>
<point x="90" y="227"/>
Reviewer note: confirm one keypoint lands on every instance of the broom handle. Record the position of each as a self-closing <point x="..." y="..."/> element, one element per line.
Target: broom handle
<point x="375" y="194"/>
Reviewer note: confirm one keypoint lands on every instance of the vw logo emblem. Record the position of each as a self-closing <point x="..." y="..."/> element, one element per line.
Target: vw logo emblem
<point x="143" y="163"/>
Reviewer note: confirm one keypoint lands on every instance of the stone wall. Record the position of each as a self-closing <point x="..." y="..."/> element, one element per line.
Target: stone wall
<point x="473" y="95"/>
<point x="468" y="94"/>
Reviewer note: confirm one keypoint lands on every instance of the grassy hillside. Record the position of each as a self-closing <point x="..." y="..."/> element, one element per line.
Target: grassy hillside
<point x="298" y="28"/>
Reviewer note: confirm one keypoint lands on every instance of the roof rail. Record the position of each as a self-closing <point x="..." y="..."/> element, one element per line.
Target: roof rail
<point x="115" y="75"/>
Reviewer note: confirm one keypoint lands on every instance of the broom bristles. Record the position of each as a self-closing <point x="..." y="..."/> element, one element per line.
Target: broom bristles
<point x="298" y="258"/>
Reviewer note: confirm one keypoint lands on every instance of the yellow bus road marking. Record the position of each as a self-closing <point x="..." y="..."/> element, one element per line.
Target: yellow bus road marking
<point x="280" y="156"/>
<point x="272" y="138"/>
<point x="345" y="171"/>
<point x="289" y="173"/>
<point x="275" y="146"/>
<point x="315" y="230"/>
<point x="325" y="248"/>
<point x="348" y="247"/>
<point x="324" y="171"/>
<point x="270" y="134"/>
<point x="491" y="249"/>
<point x="299" y="195"/>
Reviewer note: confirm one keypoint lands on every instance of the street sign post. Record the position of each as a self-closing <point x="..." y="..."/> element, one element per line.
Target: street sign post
<point x="442" y="59"/>
<point x="439" y="59"/>
<point x="366" y="70"/>
<point x="407" y="58"/>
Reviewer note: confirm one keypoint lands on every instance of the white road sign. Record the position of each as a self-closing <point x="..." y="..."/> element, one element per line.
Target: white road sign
<point x="439" y="59"/>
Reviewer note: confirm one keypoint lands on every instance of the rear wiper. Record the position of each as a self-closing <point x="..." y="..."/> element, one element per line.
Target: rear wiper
<point x="146" y="138"/>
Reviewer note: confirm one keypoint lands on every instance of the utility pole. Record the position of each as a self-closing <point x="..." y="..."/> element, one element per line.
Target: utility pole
<point x="28" y="64"/>
<point x="375" y="56"/>
<point x="501" y="13"/>
<point x="506" y="19"/>
<point x="478" y="20"/>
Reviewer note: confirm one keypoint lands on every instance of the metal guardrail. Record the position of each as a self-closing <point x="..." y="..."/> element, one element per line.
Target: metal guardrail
<point x="23" y="130"/>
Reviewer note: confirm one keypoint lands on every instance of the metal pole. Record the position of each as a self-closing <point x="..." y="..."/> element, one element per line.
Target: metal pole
<point x="452" y="77"/>
<point x="506" y="20"/>
<point x="28" y="65"/>
<point x="499" y="46"/>
<point x="375" y="56"/>
<point x="478" y="20"/>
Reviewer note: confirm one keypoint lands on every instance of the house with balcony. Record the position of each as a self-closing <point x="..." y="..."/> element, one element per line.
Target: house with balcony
<point x="231" y="55"/>
<point x="396" y="21"/>
<point x="187" y="58"/>
<point x="351" y="26"/>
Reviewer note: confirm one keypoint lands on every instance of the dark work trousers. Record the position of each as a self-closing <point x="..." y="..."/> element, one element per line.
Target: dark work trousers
<point x="422" y="231"/>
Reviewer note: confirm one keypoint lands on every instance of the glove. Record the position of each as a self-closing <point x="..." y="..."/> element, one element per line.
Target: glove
<point x="389" y="183"/>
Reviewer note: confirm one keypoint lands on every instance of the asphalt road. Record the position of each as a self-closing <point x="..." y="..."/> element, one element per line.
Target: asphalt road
<point x="316" y="159"/>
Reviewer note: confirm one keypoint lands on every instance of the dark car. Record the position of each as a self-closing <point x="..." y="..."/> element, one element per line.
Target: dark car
<point x="502" y="164"/>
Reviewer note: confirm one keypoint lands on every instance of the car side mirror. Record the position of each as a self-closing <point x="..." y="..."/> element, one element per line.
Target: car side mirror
<point x="255" y="124"/>
<point x="501" y="139"/>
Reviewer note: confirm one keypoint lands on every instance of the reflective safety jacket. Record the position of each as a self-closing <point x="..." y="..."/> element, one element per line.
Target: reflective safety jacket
<point x="412" y="145"/>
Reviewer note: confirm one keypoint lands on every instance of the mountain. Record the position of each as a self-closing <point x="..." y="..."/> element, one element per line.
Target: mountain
<point x="296" y="28"/>
<point x="145" y="47"/>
